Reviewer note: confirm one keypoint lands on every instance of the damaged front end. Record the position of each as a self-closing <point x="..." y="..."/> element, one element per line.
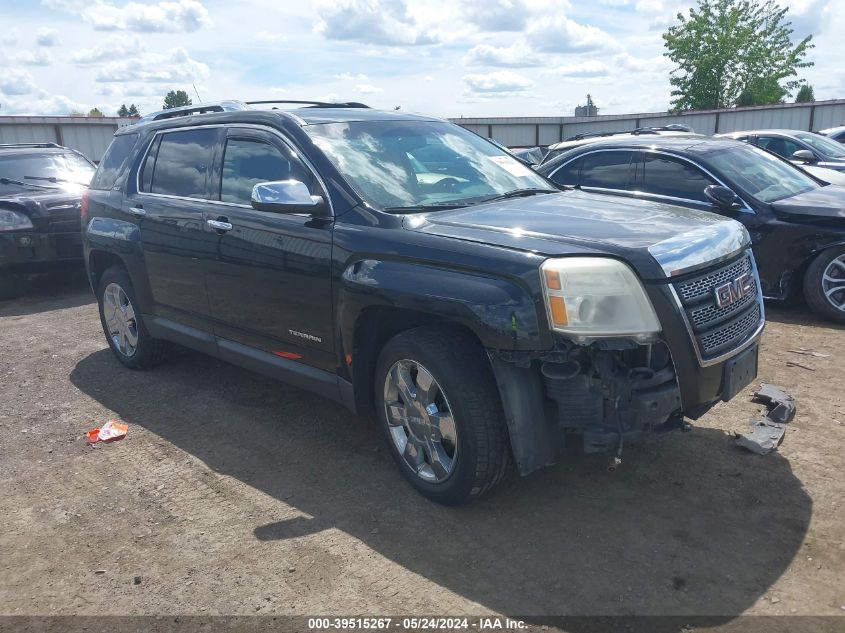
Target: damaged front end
<point x="595" y="398"/>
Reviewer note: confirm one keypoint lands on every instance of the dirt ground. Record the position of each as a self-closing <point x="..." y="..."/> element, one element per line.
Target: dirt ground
<point x="234" y="494"/>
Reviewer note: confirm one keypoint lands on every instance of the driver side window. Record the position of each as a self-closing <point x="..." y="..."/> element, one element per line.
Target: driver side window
<point x="667" y="176"/>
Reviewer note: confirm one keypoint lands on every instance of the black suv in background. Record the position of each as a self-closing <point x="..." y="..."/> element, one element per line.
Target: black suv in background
<point x="41" y="187"/>
<point x="796" y="222"/>
<point x="402" y="264"/>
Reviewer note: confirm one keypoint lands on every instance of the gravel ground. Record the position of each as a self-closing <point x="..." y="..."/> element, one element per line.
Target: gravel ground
<point x="234" y="494"/>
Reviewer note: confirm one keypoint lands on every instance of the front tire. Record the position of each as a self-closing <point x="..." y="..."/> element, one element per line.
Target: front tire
<point x="440" y="410"/>
<point x="824" y="284"/>
<point x="122" y="323"/>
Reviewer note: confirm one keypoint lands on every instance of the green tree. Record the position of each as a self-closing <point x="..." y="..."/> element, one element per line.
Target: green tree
<point x="765" y="91"/>
<point x="724" y="48"/>
<point x="123" y="110"/>
<point x="134" y="111"/>
<point x="805" y="94"/>
<point x="176" y="99"/>
<point x="95" y="112"/>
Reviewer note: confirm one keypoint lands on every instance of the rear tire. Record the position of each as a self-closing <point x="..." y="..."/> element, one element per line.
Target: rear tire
<point x="123" y="325"/>
<point x="450" y="440"/>
<point x="824" y="284"/>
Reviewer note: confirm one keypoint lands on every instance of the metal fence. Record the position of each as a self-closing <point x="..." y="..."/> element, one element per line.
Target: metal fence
<point x="89" y="135"/>
<point x="530" y="131"/>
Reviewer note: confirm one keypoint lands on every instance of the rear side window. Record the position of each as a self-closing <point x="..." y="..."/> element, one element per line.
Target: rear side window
<point x="248" y="162"/>
<point x="568" y="174"/>
<point x="113" y="161"/>
<point x="664" y="176"/>
<point x="182" y="164"/>
<point x="607" y="170"/>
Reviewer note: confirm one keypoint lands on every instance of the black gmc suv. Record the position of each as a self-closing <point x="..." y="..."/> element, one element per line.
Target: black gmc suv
<point x="402" y="264"/>
<point x="41" y="187"/>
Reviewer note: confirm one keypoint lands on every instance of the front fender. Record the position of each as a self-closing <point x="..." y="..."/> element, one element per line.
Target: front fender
<point x="501" y="312"/>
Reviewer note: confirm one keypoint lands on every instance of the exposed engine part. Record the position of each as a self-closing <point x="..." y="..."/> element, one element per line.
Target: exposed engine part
<point x="612" y="396"/>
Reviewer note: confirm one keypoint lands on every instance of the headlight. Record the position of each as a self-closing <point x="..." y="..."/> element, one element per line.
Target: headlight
<point x="13" y="221"/>
<point x="595" y="297"/>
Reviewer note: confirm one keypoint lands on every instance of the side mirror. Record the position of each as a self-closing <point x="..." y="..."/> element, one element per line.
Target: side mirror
<point x="286" y="196"/>
<point x="722" y="197"/>
<point x="805" y="156"/>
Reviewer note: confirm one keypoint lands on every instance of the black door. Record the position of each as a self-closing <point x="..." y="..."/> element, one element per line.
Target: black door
<point x="174" y="188"/>
<point x="269" y="286"/>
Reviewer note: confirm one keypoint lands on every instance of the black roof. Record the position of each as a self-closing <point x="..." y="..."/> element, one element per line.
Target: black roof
<point x="298" y="116"/>
<point x="33" y="148"/>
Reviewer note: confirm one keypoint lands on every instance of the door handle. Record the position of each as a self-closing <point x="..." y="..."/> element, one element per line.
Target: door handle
<point x="137" y="211"/>
<point x="219" y="225"/>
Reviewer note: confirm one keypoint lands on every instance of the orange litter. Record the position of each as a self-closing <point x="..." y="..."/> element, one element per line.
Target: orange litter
<point x="111" y="432"/>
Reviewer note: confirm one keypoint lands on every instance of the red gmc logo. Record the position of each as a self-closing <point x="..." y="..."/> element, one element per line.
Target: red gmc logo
<point x="731" y="292"/>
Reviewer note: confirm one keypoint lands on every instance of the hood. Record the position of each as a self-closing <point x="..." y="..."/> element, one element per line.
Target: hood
<point x="824" y="202"/>
<point x="830" y="176"/>
<point x="57" y="209"/>
<point x="659" y="240"/>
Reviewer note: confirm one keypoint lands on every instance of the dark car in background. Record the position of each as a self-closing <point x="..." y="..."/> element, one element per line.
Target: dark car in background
<point x="802" y="148"/>
<point x="41" y="187"/>
<point x="796" y="222"/>
<point x="836" y="133"/>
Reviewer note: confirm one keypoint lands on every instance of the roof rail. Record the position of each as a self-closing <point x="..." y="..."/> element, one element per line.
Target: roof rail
<point x="202" y="108"/>
<point x="674" y="127"/>
<point x="45" y="145"/>
<point x="313" y="104"/>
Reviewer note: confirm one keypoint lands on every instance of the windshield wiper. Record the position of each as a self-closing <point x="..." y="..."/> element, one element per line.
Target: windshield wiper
<point x="421" y="208"/>
<point x="56" y="180"/>
<point x="519" y="193"/>
<point x="12" y="181"/>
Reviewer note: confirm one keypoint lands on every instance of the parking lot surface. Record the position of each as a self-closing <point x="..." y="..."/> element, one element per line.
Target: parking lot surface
<point x="234" y="494"/>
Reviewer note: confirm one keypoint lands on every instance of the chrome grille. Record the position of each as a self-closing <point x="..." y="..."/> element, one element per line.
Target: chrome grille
<point x="719" y="330"/>
<point x="735" y="331"/>
<point x="710" y="313"/>
<point x="702" y="286"/>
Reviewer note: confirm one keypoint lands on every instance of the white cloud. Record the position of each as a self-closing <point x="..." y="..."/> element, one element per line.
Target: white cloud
<point x="173" y="66"/>
<point x="44" y="104"/>
<point x="385" y="22"/>
<point x="112" y="48"/>
<point x="47" y="36"/>
<point x="500" y="81"/>
<point x="169" y="16"/>
<point x="16" y="82"/>
<point x="497" y="15"/>
<point x="34" y="57"/>
<point x="518" y="54"/>
<point x="9" y="37"/>
<point x="589" y="68"/>
<point x="559" y="34"/>
<point x="367" y="89"/>
<point x="352" y="77"/>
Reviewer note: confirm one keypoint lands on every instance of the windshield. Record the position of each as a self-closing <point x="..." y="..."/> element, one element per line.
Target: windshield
<point x="60" y="170"/>
<point x="823" y="145"/>
<point x="407" y="164"/>
<point x="761" y="174"/>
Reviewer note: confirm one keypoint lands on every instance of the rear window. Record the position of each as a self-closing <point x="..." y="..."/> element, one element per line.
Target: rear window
<point x="113" y="161"/>
<point x="183" y="162"/>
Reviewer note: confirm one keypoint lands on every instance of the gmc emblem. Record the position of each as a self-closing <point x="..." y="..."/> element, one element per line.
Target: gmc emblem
<point x="731" y="292"/>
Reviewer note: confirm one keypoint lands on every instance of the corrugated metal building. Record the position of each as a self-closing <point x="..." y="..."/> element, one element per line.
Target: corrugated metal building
<point x="531" y="131"/>
<point x="89" y="135"/>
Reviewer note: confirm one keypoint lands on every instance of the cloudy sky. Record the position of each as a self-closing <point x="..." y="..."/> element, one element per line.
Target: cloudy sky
<point x="442" y="57"/>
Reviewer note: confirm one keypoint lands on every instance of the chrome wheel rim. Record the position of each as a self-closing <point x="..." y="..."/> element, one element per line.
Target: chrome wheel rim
<point x="120" y="320"/>
<point x="420" y="421"/>
<point x="833" y="283"/>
